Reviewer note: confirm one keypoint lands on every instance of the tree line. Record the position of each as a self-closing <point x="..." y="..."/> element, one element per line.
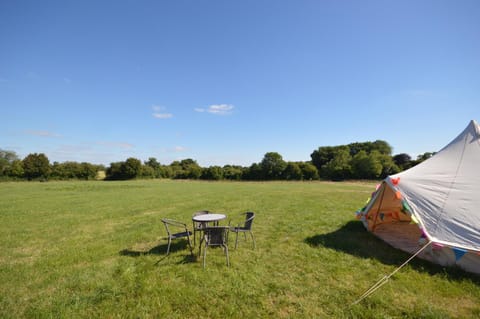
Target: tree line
<point x="367" y="160"/>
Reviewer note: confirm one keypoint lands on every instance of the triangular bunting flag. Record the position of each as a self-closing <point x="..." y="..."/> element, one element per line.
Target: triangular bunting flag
<point x="405" y="207"/>
<point x="459" y="252"/>
<point x="414" y="220"/>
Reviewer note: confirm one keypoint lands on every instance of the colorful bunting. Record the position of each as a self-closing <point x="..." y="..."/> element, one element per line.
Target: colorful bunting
<point x="459" y="252"/>
<point x="414" y="219"/>
<point x="406" y="208"/>
<point x="395" y="181"/>
<point x="423" y="235"/>
<point x="398" y="195"/>
<point x="437" y="246"/>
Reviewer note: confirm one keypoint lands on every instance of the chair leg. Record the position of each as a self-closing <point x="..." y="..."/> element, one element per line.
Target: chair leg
<point x="204" y="256"/>
<point x="225" y="247"/>
<point x="236" y="240"/>
<point x="168" y="247"/>
<point x="253" y="239"/>
<point x="190" y="245"/>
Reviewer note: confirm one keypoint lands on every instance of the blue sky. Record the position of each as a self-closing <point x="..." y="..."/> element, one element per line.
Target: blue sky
<point x="224" y="82"/>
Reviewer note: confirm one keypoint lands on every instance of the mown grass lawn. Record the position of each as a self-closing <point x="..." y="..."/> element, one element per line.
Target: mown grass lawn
<point x="96" y="249"/>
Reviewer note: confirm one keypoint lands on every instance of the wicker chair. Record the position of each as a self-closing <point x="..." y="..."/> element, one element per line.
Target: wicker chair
<point x="215" y="236"/>
<point x="244" y="228"/>
<point x="197" y="226"/>
<point x="170" y="223"/>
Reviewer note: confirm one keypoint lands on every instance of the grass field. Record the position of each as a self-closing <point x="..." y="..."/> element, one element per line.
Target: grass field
<point x="96" y="249"/>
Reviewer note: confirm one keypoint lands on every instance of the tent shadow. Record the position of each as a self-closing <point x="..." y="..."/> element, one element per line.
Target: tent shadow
<point x="353" y="239"/>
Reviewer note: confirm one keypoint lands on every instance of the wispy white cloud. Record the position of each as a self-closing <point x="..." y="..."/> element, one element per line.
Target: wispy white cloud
<point x="175" y="149"/>
<point x="179" y="149"/>
<point x="217" y="109"/>
<point x="122" y="145"/>
<point x="42" y="133"/>
<point x="162" y="115"/>
<point x="159" y="112"/>
<point x="67" y="80"/>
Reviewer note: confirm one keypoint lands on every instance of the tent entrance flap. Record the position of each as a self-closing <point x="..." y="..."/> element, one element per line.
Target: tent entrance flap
<point x="403" y="236"/>
<point x="386" y="208"/>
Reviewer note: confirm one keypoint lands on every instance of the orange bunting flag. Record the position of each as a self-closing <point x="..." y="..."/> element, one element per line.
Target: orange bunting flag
<point x="398" y="195"/>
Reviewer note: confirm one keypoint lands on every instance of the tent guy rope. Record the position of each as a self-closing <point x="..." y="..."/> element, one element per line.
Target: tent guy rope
<point x="384" y="279"/>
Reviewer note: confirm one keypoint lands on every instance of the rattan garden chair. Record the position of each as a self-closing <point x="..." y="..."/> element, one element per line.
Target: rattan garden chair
<point x="198" y="226"/>
<point x="215" y="236"/>
<point x="245" y="227"/>
<point x="176" y="225"/>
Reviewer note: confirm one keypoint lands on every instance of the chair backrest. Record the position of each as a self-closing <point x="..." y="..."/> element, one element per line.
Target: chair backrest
<point x="200" y="212"/>
<point x="170" y="222"/>
<point x="249" y="216"/>
<point x="216" y="236"/>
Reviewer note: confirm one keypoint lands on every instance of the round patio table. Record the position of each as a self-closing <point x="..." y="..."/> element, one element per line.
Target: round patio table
<point x="206" y="218"/>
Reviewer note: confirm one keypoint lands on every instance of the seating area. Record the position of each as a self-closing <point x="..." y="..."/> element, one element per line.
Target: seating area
<point x="206" y="227"/>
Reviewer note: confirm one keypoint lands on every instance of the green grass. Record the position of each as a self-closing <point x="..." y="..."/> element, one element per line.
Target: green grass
<point x="96" y="249"/>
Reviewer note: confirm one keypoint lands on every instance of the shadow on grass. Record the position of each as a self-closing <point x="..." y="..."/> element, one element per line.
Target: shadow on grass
<point x="162" y="250"/>
<point x="354" y="239"/>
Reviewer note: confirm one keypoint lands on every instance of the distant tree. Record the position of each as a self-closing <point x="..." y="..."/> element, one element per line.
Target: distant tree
<point x="382" y="147"/>
<point x="6" y="160"/>
<point x="292" y="172"/>
<point x="366" y="166"/>
<point x="212" y="173"/>
<point x="155" y="166"/>
<point x="402" y="160"/>
<point x="165" y="171"/>
<point x="147" y="172"/>
<point x="253" y="173"/>
<point x="114" y="171"/>
<point x="273" y="166"/>
<point x="388" y="165"/>
<point x="424" y="156"/>
<point x="36" y="166"/>
<point x="15" y="169"/>
<point x="186" y="169"/>
<point x="339" y="167"/>
<point x="232" y="172"/>
<point x="152" y="162"/>
<point x="309" y="171"/>
<point x="323" y="155"/>
<point x="131" y="168"/>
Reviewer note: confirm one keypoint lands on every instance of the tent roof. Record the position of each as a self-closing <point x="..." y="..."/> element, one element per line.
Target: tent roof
<point x="444" y="191"/>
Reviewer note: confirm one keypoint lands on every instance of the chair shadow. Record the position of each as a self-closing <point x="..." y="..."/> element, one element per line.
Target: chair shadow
<point x="161" y="249"/>
<point x="352" y="238"/>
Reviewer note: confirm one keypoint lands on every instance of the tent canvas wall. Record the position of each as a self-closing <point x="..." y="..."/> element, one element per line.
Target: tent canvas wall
<point x="438" y="201"/>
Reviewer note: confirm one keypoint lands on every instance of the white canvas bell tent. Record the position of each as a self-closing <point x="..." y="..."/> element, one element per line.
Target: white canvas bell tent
<point x="437" y="201"/>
